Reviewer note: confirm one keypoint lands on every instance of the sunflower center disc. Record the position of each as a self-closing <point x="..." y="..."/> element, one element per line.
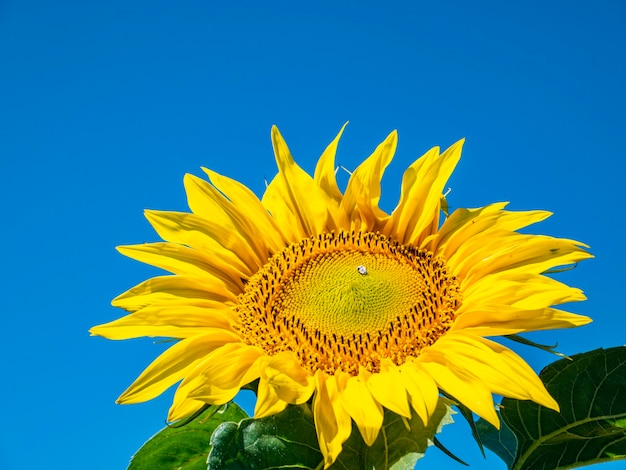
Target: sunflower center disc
<point x="340" y="301"/>
<point x="348" y="292"/>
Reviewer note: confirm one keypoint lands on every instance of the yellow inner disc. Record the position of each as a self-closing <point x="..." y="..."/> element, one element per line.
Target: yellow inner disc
<point x="341" y="301"/>
<point x="349" y="292"/>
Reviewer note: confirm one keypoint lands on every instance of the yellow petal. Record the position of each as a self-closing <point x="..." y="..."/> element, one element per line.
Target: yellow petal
<point x="225" y="372"/>
<point x="171" y="321"/>
<point x="412" y="195"/>
<point x="324" y="175"/>
<point x="387" y="388"/>
<point x="499" y="368"/>
<point x="246" y="208"/>
<point x="171" y="366"/>
<point x="250" y="222"/>
<point x="359" y="207"/>
<point x="205" y="235"/>
<point x="290" y="381"/>
<point x="513" y="252"/>
<point x="184" y="261"/>
<point x="292" y="197"/>
<point x="498" y="320"/>
<point x="465" y="224"/>
<point x="522" y="290"/>
<point x="417" y="213"/>
<point x="422" y="390"/>
<point x="182" y="406"/>
<point x="458" y="383"/>
<point x="267" y="402"/>
<point x="183" y="290"/>
<point x="332" y="422"/>
<point x="366" y="412"/>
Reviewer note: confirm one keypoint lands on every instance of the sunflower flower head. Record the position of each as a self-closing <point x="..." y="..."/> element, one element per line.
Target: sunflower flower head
<point x="321" y="295"/>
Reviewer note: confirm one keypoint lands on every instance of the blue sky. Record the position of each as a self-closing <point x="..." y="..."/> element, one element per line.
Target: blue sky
<point x="104" y="106"/>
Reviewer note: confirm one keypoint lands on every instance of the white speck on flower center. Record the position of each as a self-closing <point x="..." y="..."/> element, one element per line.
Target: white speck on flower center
<point x="362" y="269"/>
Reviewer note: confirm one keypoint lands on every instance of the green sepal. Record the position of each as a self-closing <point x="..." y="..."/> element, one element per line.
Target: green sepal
<point x="543" y="347"/>
<point x="469" y="417"/>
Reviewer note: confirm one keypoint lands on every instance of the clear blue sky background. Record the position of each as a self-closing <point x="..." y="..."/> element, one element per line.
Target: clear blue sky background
<point x="105" y="105"/>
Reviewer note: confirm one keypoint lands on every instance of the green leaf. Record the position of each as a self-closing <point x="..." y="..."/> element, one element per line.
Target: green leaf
<point x="288" y="440"/>
<point x="185" y="447"/>
<point x="591" y="427"/>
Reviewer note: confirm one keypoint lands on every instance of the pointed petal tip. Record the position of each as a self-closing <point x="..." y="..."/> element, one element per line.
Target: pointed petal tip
<point x="210" y="173"/>
<point x="495" y="422"/>
<point x="458" y="144"/>
<point x="280" y="147"/>
<point x="150" y="213"/>
<point x="490" y="415"/>
<point x="123" y="399"/>
<point x="127" y="399"/>
<point x="123" y="249"/>
<point x="456" y="147"/>
<point x="552" y="404"/>
<point x="340" y="133"/>
<point x="275" y="133"/>
<point x="193" y="179"/>
<point x="388" y="146"/>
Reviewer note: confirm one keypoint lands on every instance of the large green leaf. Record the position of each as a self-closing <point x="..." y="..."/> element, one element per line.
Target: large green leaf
<point x="185" y="447"/>
<point x="591" y="427"/>
<point x="288" y="440"/>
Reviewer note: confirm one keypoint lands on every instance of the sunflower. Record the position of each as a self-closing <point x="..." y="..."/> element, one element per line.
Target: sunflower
<point x="323" y="296"/>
